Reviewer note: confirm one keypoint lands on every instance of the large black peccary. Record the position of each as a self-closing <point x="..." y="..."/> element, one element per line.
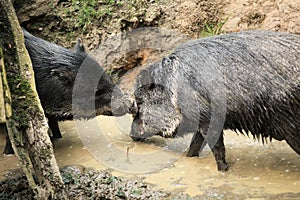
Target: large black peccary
<point x="249" y="81"/>
<point x="55" y="69"/>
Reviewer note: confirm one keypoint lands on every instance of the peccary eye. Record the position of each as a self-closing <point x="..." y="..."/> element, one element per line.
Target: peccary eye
<point x="152" y="86"/>
<point x="141" y="123"/>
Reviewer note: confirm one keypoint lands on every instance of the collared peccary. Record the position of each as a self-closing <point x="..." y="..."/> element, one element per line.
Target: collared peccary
<point x="56" y="69"/>
<point x="247" y="81"/>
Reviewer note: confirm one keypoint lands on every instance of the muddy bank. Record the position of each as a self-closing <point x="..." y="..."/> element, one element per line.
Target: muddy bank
<point x="81" y="183"/>
<point x="269" y="171"/>
<point x="278" y="15"/>
<point x="63" y="21"/>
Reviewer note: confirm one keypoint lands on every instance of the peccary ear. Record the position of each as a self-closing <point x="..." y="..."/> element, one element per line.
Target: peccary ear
<point x="64" y="75"/>
<point x="145" y="78"/>
<point x="79" y="47"/>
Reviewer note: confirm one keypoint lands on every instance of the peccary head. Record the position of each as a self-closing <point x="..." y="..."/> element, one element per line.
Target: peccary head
<point x="156" y="112"/>
<point x="95" y="91"/>
<point x="70" y="81"/>
<point x="166" y="101"/>
<point x="109" y="100"/>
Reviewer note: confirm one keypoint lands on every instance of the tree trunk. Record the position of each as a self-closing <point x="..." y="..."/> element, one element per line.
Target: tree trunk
<point x="26" y="122"/>
<point x="2" y="102"/>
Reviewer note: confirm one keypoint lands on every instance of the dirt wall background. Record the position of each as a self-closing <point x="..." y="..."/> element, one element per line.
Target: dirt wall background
<point x="62" y="21"/>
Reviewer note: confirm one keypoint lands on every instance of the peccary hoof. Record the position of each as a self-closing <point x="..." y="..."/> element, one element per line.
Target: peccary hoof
<point x="193" y="151"/>
<point x="222" y="166"/>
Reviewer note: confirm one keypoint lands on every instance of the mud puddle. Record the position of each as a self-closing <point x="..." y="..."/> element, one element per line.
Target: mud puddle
<point x="255" y="169"/>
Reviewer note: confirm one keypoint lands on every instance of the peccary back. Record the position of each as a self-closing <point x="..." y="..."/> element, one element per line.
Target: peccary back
<point x="256" y="73"/>
<point x="262" y="80"/>
<point x="55" y="70"/>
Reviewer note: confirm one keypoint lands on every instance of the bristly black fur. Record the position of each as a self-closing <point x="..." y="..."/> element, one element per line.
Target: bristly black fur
<point x="55" y="69"/>
<point x="257" y="73"/>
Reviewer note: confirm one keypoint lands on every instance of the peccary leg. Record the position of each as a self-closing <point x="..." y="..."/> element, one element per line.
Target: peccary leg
<point x="196" y="144"/>
<point x="53" y="125"/>
<point x="8" y="148"/>
<point x="218" y="150"/>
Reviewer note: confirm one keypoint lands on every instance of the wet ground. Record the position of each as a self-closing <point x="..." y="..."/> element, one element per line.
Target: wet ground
<point x="256" y="170"/>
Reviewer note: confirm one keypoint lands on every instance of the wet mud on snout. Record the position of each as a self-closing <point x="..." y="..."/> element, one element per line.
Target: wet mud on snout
<point x="256" y="170"/>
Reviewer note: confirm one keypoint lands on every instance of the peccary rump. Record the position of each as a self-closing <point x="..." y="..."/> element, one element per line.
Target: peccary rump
<point x="249" y="81"/>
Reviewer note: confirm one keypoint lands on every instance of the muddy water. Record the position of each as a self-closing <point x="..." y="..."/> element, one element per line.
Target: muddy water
<point x="103" y="143"/>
